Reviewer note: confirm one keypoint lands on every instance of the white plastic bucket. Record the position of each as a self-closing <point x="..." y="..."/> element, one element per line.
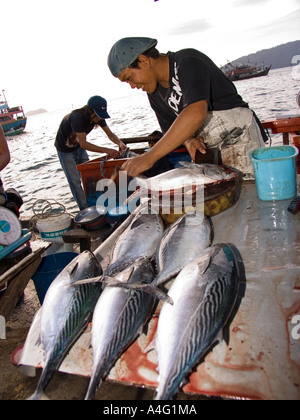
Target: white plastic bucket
<point x="52" y="229"/>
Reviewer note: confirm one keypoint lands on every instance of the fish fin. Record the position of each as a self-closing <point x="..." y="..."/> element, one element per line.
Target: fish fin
<point x="151" y="346"/>
<point x="38" y="341"/>
<point x="183" y="383"/>
<point x="161" y="279"/>
<point x="115" y="281"/>
<point x="90" y="346"/>
<point x="188" y="165"/>
<point x="100" y="279"/>
<point x="220" y="337"/>
<point x="147" y="288"/>
<point x="73" y="271"/>
<point x="204" y="264"/>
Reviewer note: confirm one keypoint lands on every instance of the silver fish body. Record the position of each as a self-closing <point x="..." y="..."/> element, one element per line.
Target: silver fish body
<point x="204" y="295"/>
<point x="118" y="318"/>
<point x="65" y="313"/>
<point x="187" y="174"/>
<point x="139" y="240"/>
<point x="181" y="243"/>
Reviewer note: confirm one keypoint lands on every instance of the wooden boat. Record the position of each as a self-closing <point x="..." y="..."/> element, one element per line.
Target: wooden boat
<point x="245" y="71"/>
<point x="12" y="120"/>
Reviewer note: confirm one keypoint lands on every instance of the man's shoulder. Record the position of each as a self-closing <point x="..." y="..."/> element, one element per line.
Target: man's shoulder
<point x="77" y="113"/>
<point x="189" y="52"/>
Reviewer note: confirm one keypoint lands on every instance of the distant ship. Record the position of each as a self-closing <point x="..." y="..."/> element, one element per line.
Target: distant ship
<point x="12" y="120"/>
<point x="245" y="71"/>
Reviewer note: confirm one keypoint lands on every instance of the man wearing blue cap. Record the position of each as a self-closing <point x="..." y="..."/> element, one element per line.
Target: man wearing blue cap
<point x="72" y="145"/>
<point x="196" y="105"/>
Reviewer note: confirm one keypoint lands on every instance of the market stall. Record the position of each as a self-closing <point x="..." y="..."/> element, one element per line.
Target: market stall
<point x="261" y="359"/>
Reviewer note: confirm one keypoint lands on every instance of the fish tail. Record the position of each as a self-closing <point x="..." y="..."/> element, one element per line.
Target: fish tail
<point x="91" y="391"/>
<point x="39" y="395"/>
<point x="162" y="394"/>
<point x="94" y="384"/>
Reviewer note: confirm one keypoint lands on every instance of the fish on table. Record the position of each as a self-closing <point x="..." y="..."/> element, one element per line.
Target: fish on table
<point x="183" y="241"/>
<point x="118" y="319"/>
<point x="188" y="179"/>
<point x="186" y="174"/>
<point x="139" y="240"/>
<point x="65" y="313"/>
<point x="204" y="295"/>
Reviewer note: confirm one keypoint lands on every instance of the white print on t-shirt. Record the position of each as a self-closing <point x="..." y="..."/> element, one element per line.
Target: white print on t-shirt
<point x="176" y="93"/>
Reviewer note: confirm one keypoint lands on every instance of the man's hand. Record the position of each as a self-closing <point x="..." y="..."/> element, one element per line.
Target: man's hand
<point x="121" y="145"/>
<point x="135" y="166"/>
<point x="111" y="153"/>
<point x="193" y="145"/>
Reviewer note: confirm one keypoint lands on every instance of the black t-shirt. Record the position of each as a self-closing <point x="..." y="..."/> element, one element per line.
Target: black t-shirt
<point x="193" y="78"/>
<point x="77" y="121"/>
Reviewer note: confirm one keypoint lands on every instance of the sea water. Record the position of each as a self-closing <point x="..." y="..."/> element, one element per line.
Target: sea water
<point x="35" y="170"/>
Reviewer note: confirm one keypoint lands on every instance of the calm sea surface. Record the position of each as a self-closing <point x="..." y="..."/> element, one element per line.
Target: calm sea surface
<point x="35" y="170"/>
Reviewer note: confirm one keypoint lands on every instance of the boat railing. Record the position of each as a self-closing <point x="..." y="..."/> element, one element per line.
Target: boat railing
<point x="16" y="109"/>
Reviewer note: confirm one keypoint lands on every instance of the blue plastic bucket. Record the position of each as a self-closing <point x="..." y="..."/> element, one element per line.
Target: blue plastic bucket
<point x="50" y="267"/>
<point x="275" y="172"/>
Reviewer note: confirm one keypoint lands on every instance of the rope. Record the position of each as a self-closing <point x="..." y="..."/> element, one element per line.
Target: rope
<point x="44" y="209"/>
<point x="102" y="168"/>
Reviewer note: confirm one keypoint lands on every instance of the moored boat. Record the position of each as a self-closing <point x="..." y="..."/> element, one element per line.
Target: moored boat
<point x="245" y="71"/>
<point x="12" y="120"/>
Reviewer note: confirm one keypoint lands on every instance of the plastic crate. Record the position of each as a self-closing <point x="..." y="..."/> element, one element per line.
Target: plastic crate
<point x="92" y="172"/>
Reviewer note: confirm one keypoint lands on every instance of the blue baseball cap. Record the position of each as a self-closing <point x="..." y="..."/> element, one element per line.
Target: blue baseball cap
<point x="126" y="51"/>
<point x="99" y="106"/>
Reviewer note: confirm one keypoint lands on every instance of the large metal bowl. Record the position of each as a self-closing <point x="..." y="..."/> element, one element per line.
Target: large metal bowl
<point x="91" y="218"/>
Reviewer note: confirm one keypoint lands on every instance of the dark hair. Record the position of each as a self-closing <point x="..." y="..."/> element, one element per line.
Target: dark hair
<point x="87" y="111"/>
<point x="151" y="53"/>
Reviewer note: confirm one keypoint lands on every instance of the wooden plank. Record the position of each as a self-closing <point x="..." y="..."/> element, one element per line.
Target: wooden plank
<point x="16" y="287"/>
<point x="38" y="248"/>
<point x="134" y="140"/>
<point x="287" y="125"/>
<point x="84" y="237"/>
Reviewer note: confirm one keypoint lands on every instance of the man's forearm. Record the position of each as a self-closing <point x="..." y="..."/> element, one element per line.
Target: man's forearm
<point x="184" y="127"/>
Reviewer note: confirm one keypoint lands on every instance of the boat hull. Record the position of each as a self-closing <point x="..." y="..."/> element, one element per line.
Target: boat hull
<point x="13" y="128"/>
<point x="234" y="77"/>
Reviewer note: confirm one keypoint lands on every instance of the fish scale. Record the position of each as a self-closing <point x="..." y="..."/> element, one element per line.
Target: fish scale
<point x="204" y="295"/>
<point x="181" y="243"/>
<point x="139" y="240"/>
<point x="118" y="318"/>
<point x="66" y="311"/>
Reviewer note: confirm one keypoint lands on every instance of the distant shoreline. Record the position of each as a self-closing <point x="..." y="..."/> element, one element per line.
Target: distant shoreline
<point x="35" y="112"/>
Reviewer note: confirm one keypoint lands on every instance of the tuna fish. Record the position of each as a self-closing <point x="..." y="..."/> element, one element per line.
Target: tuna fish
<point x="190" y="179"/>
<point x="204" y="295"/>
<point x="118" y="319"/>
<point x="139" y="240"/>
<point x="66" y="311"/>
<point x="181" y="243"/>
<point x="187" y="174"/>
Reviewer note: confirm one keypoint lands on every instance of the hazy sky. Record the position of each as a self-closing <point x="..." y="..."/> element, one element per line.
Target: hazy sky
<point x="54" y="53"/>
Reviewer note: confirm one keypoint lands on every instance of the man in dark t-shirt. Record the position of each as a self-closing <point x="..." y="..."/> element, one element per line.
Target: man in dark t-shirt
<point x="196" y="105"/>
<point x="72" y="145"/>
